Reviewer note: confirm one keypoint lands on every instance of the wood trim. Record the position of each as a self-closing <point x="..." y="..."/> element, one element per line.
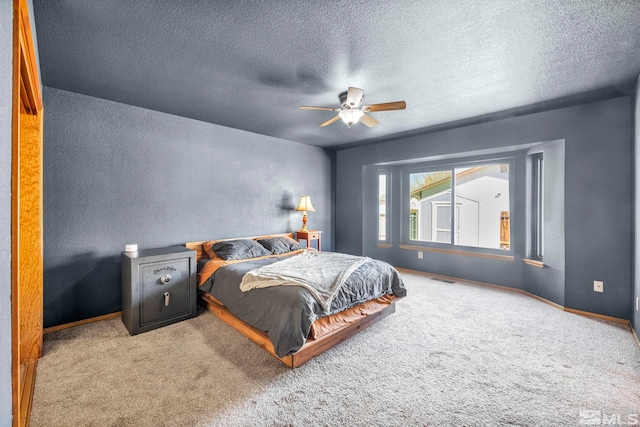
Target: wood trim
<point x="544" y="300"/>
<point x="384" y="245"/>
<point x="16" y="384"/>
<point x="26" y="213"/>
<point x="533" y="262"/>
<point x="197" y="246"/>
<point x="597" y="316"/>
<point x="28" y="64"/>
<point x="458" y="252"/>
<point x="82" y="322"/>
<point x="28" y="383"/>
<point x="29" y="235"/>
<point x="311" y="348"/>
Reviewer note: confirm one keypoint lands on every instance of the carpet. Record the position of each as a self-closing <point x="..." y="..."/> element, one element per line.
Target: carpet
<point x="452" y="355"/>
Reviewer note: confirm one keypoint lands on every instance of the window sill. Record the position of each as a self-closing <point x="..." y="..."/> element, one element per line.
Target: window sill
<point x="384" y="245"/>
<point x="534" y="262"/>
<point x="457" y="252"/>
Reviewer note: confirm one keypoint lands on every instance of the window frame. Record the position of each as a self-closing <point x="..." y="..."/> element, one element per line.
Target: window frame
<point x="451" y="166"/>
<point x="387" y="213"/>
<point x="537" y="206"/>
<point x="418" y="218"/>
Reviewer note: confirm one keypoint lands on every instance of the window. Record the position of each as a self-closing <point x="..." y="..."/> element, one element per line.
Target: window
<point x="428" y="190"/>
<point x="537" y="205"/>
<point x="482" y="193"/>
<point x="481" y="196"/>
<point x="382" y="207"/>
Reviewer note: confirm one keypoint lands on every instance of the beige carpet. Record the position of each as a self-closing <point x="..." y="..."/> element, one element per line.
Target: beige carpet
<point x="453" y="354"/>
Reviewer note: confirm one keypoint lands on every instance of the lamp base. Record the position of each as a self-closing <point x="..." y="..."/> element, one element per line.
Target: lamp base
<point x="304" y="222"/>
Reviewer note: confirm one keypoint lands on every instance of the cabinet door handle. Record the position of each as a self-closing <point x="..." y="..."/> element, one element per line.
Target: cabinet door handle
<point x="165" y="278"/>
<point x="166" y="299"/>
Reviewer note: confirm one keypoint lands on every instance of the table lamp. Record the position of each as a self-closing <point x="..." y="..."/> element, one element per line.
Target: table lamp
<point x="304" y="206"/>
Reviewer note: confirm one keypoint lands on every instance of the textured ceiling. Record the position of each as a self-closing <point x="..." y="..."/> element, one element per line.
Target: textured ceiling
<point x="250" y="64"/>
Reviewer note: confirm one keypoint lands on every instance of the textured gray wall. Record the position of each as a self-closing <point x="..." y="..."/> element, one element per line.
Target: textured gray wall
<point x="6" y="16"/>
<point x="598" y="197"/>
<point x="549" y="282"/>
<point x="635" y="319"/>
<point x="117" y="174"/>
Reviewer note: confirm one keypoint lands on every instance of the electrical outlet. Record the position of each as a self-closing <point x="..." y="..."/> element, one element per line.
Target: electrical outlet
<point x="420" y="254"/>
<point x="598" y="286"/>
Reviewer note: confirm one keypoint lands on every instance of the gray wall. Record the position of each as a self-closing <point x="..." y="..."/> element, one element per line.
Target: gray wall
<point x="549" y="282"/>
<point x="598" y="197"/>
<point x="635" y="319"/>
<point x="117" y="174"/>
<point x="6" y="16"/>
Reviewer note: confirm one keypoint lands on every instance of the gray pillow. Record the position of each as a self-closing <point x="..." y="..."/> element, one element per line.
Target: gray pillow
<point x="280" y="245"/>
<point x="239" y="249"/>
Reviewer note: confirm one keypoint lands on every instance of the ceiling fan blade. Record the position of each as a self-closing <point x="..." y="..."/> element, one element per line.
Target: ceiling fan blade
<point x="387" y="106"/>
<point x="306" y="107"/>
<point x="354" y="97"/>
<point x="369" y="121"/>
<point x="328" y="122"/>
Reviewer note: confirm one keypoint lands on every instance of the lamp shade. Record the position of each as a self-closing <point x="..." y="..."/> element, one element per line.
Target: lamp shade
<point x="305" y="204"/>
<point x="351" y="116"/>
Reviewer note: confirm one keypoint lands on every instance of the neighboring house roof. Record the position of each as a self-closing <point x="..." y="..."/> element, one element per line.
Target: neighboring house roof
<point x="439" y="182"/>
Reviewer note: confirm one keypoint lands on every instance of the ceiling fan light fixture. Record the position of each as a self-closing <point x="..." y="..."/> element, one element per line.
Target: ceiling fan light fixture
<point x="351" y="116"/>
<point x="353" y="111"/>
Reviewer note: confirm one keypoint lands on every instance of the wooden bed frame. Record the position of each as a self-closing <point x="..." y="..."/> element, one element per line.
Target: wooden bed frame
<point x="312" y="347"/>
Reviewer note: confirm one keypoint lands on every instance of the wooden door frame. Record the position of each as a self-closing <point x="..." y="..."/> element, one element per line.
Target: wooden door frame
<point x="26" y="215"/>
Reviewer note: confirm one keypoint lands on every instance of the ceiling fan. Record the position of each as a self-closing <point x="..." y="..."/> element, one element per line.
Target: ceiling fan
<point x="351" y="112"/>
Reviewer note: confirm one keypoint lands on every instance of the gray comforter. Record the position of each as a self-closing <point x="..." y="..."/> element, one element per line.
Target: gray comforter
<point x="288" y="328"/>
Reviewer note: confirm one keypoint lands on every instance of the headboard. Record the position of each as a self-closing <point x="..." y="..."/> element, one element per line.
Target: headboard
<point x="197" y="246"/>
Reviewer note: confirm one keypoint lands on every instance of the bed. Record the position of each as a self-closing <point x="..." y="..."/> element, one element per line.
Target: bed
<point x="294" y="302"/>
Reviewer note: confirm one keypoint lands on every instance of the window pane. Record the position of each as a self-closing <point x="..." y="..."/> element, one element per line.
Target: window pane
<point x="538" y="208"/>
<point x="482" y="206"/>
<point x="443" y="236"/>
<point x="430" y="206"/>
<point x="382" y="209"/>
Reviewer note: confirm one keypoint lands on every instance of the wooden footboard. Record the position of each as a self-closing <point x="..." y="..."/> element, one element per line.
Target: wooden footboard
<point x="311" y="348"/>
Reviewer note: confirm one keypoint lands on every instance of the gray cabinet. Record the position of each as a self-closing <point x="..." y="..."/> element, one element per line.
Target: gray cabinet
<point x="158" y="287"/>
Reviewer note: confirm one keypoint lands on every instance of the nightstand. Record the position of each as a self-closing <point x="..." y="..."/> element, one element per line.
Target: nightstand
<point x="158" y="287"/>
<point x="310" y="235"/>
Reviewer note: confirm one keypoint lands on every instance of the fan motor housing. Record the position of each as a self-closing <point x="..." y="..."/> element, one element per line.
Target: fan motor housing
<point x="343" y="100"/>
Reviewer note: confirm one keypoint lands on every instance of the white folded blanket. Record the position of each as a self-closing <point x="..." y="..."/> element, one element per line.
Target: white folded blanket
<point x="321" y="273"/>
